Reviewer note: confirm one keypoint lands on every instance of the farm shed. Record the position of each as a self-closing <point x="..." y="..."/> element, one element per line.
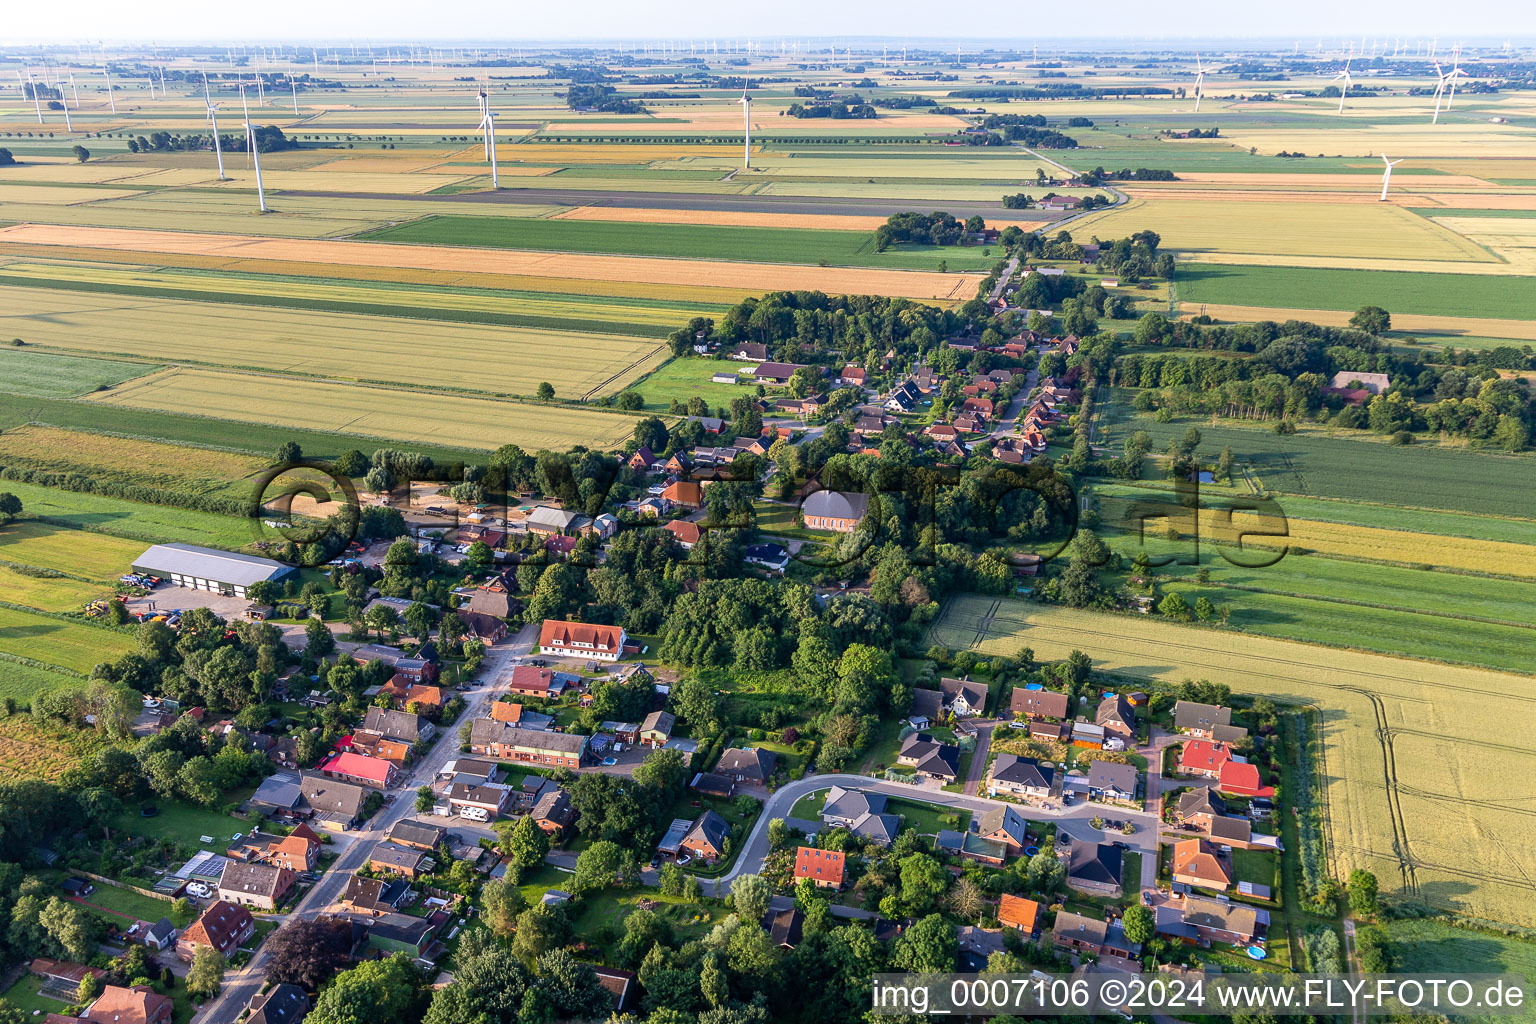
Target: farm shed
<point x="223" y="572"/>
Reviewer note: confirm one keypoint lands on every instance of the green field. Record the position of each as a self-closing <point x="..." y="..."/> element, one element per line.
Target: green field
<point x="24" y="681"/>
<point x="256" y="438"/>
<point x="156" y="524"/>
<point x="1431" y="947"/>
<point x="48" y="375"/>
<point x="1313" y="464"/>
<point x="683" y="379"/>
<point x="1118" y="152"/>
<point x="758" y="245"/>
<point x="69" y="644"/>
<point x="1471" y="295"/>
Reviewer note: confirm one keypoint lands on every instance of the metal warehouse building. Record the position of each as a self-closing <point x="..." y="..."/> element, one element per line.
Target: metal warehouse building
<point x="223" y="572"/>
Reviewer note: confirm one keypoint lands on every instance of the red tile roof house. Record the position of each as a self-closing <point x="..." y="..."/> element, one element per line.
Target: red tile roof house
<point x="1204" y="758"/>
<point x="138" y="1005"/>
<point x="581" y="640"/>
<point x="362" y="769"/>
<point x="823" y="867"/>
<point x="1241" y="778"/>
<point x="223" y="926"/>
<point x="685" y="533"/>
<point x="532" y="681"/>
<point x="1195" y="863"/>
<point x="854" y="375"/>
<point x="684" y="494"/>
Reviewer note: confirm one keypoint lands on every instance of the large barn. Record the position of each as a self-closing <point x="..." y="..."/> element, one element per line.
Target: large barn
<point x="222" y="572"/>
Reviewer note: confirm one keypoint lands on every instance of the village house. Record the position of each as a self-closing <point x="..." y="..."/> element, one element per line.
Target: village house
<point x="581" y="640"/>
<point x="528" y="746"/>
<point x="1020" y="914"/>
<point x="932" y="759"/>
<point x="1203" y="758"/>
<point x="825" y="868"/>
<point x="533" y="681"/>
<point x="1074" y="933"/>
<point x="1242" y="778"/>
<point x="1035" y="705"/>
<point x="1093" y="868"/>
<point x="853" y="376"/>
<point x="684" y="494"/>
<point x="297" y="851"/>
<point x="1112" y="783"/>
<point x="1207" y="721"/>
<point x="388" y="858"/>
<point x="710" y="784"/>
<point x="1004" y="825"/>
<point x="1198" y="806"/>
<point x="137" y="1005"/>
<point x="256" y="885"/>
<point x="963" y="697"/>
<point x="282" y="1004"/>
<point x="750" y="351"/>
<point x="656" y="730"/>
<point x="705" y="840"/>
<point x="404" y="726"/>
<point x="1024" y="777"/>
<point x="361" y="769"/>
<point x="750" y="765"/>
<point x="1196" y="863"/>
<point x="685" y="534"/>
<point x="1198" y="919"/>
<point x="838" y="511"/>
<point x="374" y="895"/>
<point x="553" y="812"/>
<point x="642" y="461"/>
<point x="1117" y="718"/>
<point x="416" y="835"/>
<point x="339" y="805"/>
<point x="468" y="793"/>
<point x="494" y="598"/>
<point x="547" y="522"/>
<point x="774" y="373"/>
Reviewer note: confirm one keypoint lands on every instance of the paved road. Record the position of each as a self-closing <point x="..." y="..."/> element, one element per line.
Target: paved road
<point x="1002" y="282"/>
<point x="241" y="986"/>
<point x="1073" y="820"/>
<point x="983" y="729"/>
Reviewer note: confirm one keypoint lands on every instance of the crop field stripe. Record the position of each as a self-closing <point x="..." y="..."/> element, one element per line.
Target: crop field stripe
<point x="758" y="276"/>
<point x="468" y="357"/>
<point x="67" y="643"/>
<point x="774" y="245"/>
<point x="442" y="313"/>
<point x="95" y="515"/>
<point x="1452" y="295"/>
<point x="374" y="412"/>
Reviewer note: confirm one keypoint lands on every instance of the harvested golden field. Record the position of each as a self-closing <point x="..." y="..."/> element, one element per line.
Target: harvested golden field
<point x="410" y="162"/>
<point x="625" y="153"/>
<point x="757" y="277"/>
<point x="1409" y="747"/>
<point x="1347" y="182"/>
<point x="396" y="350"/>
<point x="166" y="465"/>
<point x="1409" y="140"/>
<point x="61" y="195"/>
<point x="1296" y="230"/>
<point x="465" y="279"/>
<point x="1476" y="327"/>
<point x="384" y="413"/>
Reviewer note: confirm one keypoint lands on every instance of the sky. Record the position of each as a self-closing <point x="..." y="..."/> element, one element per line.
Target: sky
<point x="996" y="22"/>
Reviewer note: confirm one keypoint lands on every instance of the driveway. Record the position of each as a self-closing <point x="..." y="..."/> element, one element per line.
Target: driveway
<point x="240" y="986"/>
<point x="984" y="729"/>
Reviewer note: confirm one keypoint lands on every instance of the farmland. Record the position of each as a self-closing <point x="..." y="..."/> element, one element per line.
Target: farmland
<point x="1458" y="295"/>
<point x="453" y="355"/>
<point x="683" y="379"/>
<point x="771" y="245"/>
<point x="1314" y="464"/>
<point x="57" y="376"/>
<point x="70" y="644"/>
<point x="1296" y="230"/>
<point x="371" y="412"/>
<point x="564" y="265"/>
<point x="90" y="556"/>
<point x="1420" y="805"/>
<point x="115" y="517"/>
<point x="130" y="460"/>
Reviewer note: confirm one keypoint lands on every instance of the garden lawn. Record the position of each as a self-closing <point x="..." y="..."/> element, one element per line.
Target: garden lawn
<point x="1256" y="866"/>
<point x="184" y="824"/>
<point x="928" y="818"/>
<point x="26" y="996"/>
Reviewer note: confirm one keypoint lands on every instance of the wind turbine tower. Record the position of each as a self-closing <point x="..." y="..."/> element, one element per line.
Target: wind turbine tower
<point x="110" y="96"/>
<point x="1199" y="80"/>
<point x="250" y="147"/>
<point x="746" y="127"/>
<point x="37" y="104"/>
<point x="1386" y="178"/>
<point x="1344" y="89"/>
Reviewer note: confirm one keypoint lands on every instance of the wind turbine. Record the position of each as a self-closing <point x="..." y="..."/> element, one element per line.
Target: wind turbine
<point x="250" y="147"/>
<point x="294" y="88"/>
<point x="746" y="128"/>
<point x="213" y="120"/>
<point x="36" y="102"/>
<point x="1439" y="92"/>
<point x="488" y="126"/>
<point x="1199" y="80"/>
<point x="1344" y="90"/>
<point x="1452" y="75"/>
<point x="1386" y="178"/>
<point x="67" y="126"/>
<point x="75" y="89"/>
<point x="107" y="75"/>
